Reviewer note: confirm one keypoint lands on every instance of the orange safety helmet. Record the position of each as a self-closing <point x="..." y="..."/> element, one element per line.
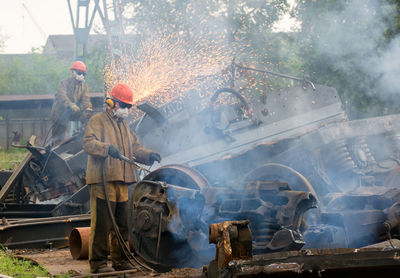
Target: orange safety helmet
<point x="78" y="65"/>
<point x="123" y="92"/>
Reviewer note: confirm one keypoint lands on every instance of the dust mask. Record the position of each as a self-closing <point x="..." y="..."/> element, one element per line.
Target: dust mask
<point x="80" y="77"/>
<point x="121" y="113"/>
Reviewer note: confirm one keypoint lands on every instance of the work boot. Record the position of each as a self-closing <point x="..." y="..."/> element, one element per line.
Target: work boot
<point x="123" y="265"/>
<point x="103" y="268"/>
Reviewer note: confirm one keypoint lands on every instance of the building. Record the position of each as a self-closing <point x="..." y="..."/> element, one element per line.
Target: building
<point x="22" y="116"/>
<point x="62" y="46"/>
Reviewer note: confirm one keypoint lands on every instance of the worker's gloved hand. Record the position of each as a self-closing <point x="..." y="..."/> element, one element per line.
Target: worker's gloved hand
<point x="75" y="108"/>
<point x="87" y="114"/>
<point x="113" y="151"/>
<point x="154" y="157"/>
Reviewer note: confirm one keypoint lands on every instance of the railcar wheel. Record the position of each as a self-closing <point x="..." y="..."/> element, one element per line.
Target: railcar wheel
<point x="179" y="175"/>
<point x="283" y="173"/>
<point x="151" y="217"/>
<point x="296" y="181"/>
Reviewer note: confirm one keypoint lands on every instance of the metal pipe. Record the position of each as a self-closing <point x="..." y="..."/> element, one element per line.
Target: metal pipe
<point x="21" y="244"/>
<point x="108" y="274"/>
<point x="159" y="235"/>
<point x="277" y="74"/>
<point x="79" y="243"/>
<point x="49" y="220"/>
<point x="31" y="214"/>
<point x="132" y="162"/>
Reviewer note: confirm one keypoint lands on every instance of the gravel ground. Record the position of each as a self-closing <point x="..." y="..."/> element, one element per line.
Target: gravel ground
<point x="59" y="261"/>
<point x="56" y="261"/>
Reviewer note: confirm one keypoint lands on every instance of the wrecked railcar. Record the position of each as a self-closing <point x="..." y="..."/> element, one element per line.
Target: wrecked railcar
<point x="45" y="198"/>
<point x="173" y="206"/>
<point x="249" y="152"/>
<point x="292" y="164"/>
<point x="47" y="174"/>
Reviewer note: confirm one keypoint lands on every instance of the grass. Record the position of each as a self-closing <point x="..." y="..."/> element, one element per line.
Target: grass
<point x="20" y="268"/>
<point x="14" y="267"/>
<point x="10" y="159"/>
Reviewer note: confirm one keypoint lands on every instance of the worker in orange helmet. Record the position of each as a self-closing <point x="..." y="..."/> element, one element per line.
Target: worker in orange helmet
<point x="106" y="138"/>
<point x="71" y="103"/>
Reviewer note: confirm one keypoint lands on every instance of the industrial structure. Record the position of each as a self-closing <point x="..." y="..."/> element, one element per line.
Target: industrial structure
<point x="294" y="169"/>
<point x="280" y="185"/>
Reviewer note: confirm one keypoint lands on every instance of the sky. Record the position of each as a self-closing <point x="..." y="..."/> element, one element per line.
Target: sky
<point x="52" y="17"/>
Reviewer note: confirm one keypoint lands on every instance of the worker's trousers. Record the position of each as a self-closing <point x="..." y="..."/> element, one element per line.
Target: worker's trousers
<point x="101" y="227"/>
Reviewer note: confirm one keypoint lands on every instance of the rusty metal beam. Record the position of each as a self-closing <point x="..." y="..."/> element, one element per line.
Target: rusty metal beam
<point x="11" y="181"/>
<point x="26" y="210"/>
<point x="341" y="262"/>
<point x="40" y="233"/>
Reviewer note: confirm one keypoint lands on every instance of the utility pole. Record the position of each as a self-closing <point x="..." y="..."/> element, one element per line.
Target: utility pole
<point x="111" y="17"/>
<point x="81" y="24"/>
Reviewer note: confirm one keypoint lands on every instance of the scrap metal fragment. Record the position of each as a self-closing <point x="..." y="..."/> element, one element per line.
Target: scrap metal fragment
<point x="234" y="242"/>
<point x="286" y="239"/>
<point x="335" y="262"/>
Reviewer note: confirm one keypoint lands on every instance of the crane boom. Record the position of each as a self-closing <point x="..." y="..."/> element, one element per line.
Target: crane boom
<point x="35" y="22"/>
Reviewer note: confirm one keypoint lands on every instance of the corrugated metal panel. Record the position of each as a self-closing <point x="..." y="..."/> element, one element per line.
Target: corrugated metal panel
<point x="5" y="98"/>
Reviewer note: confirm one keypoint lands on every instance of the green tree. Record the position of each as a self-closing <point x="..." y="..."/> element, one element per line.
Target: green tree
<point x="33" y="73"/>
<point x="242" y="28"/>
<point x="37" y="73"/>
<point x="96" y="58"/>
<point x="235" y="17"/>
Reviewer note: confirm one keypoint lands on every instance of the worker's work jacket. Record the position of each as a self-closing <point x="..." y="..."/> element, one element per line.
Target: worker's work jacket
<point x="102" y="130"/>
<point x="70" y="91"/>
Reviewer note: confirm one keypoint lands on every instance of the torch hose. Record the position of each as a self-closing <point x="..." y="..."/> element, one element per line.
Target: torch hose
<point x="125" y="248"/>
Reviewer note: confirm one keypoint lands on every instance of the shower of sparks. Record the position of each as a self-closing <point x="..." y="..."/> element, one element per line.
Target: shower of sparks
<point x="163" y="67"/>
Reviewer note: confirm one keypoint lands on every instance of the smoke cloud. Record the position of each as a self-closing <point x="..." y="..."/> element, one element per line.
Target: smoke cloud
<point x="387" y="67"/>
<point x="353" y="40"/>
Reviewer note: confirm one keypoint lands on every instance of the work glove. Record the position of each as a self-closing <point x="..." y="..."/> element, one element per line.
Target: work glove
<point x="87" y="114"/>
<point x="154" y="157"/>
<point x="75" y="108"/>
<point x="113" y="151"/>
